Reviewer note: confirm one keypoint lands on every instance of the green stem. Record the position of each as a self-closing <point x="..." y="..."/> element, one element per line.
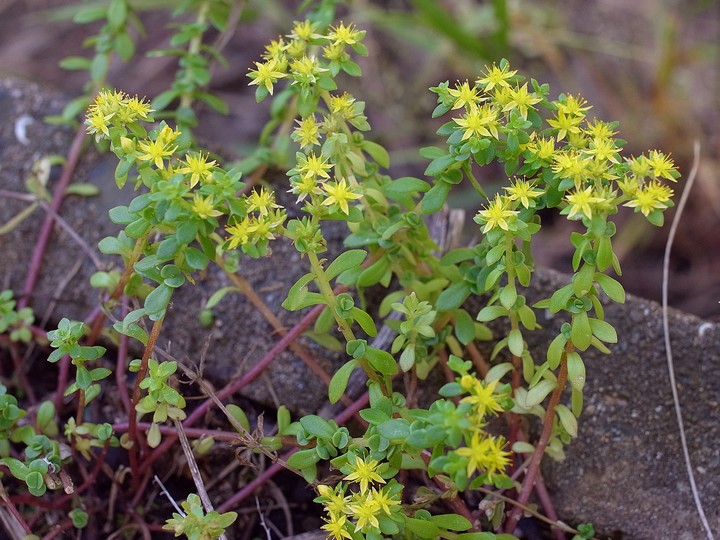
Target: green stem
<point x="468" y="172"/>
<point x="327" y="292"/>
<point x="194" y="46"/>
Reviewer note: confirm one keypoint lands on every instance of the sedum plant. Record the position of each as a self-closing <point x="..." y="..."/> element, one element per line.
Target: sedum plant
<point x="195" y="524"/>
<point x="191" y="212"/>
<point x="559" y="159"/>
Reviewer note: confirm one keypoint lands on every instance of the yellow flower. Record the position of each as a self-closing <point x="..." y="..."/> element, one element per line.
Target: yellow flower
<point x="336" y="503"/>
<point x="108" y="102"/>
<point x="312" y="166"/>
<point x="482" y="396"/>
<point x="348" y="35"/>
<point x="639" y="166"/>
<point x="522" y="100"/>
<point x="381" y="500"/>
<point x="306" y="70"/>
<point x="275" y="50"/>
<point x="155" y="151"/>
<point x="480" y="121"/>
<point x="496" y="214"/>
<point x="239" y="233"/>
<point x="570" y="164"/>
<point x="260" y="229"/>
<point x="204" y="207"/>
<point x="266" y="74"/>
<point x="262" y="201"/>
<point x="464" y="95"/>
<point x="496" y="76"/>
<point x="602" y="149"/>
<point x="501" y="95"/>
<point x="581" y="202"/>
<point x="306" y="186"/>
<point x="364" y="512"/>
<point x="335" y="527"/>
<point x="661" y="192"/>
<point x="307" y="132"/>
<point x="654" y="196"/>
<point x="342" y="105"/>
<point x="565" y="123"/>
<point x="572" y="106"/>
<point x="304" y="31"/>
<point x="628" y="185"/>
<point x="335" y="52"/>
<point x="134" y="109"/>
<point x="523" y="191"/>
<point x="198" y="167"/>
<point x="601" y="130"/>
<point x="296" y="48"/>
<point x="98" y="123"/>
<point x="543" y="148"/>
<point x="662" y="166"/>
<point x="364" y="473"/>
<point x="339" y="193"/>
<point x="485" y="454"/>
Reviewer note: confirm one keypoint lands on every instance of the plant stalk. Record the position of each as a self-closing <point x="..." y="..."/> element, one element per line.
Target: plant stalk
<point x="132" y="419"/>
<point x="534" y="467"/>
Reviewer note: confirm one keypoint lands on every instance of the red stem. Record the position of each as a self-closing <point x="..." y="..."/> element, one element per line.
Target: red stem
<point x="275" y="468"/>
<point x="238" y="384"/>
<point x="195" y="433"/>
<point x="13" y="510"/>
<point x="47" y="225"/>
<point x="120" y="368"/>
<point x="140" y="492"/>
<point x="142" y="372"/>
<point x="455" y="502"/>
<point x="547" y="505"/>
<point x="90" y="480"/>
<point x="58" y="529"/>
<point x="534" y="467"/>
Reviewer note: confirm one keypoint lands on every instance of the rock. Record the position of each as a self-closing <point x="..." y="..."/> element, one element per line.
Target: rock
<point x="625" y="472"/>
<point x="23" y="106"/>
<point x="239" y="337"/>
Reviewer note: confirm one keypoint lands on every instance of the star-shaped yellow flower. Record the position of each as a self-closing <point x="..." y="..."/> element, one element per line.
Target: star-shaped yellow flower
<point x="496" y="214"/>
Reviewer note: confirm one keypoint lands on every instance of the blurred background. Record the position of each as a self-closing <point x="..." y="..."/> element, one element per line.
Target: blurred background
<point x="653" y="65"/>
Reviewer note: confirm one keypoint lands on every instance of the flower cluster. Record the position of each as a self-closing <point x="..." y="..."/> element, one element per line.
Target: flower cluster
<point x="327" y="181"/>
<point x="113" y="108"/>
<point x="192" y="183"/>
<point x="371" y="508"/>
<point x="159" y="148"/>
<point x="567" y="160"/>
<point x="294" y="58"/>
<point x="263" y="221"/>
<point x="483" y="452"/>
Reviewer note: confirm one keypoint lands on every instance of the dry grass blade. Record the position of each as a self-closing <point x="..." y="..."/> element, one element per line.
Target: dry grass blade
<point x="194" y="471"/>
<point x="668" y="348"/>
